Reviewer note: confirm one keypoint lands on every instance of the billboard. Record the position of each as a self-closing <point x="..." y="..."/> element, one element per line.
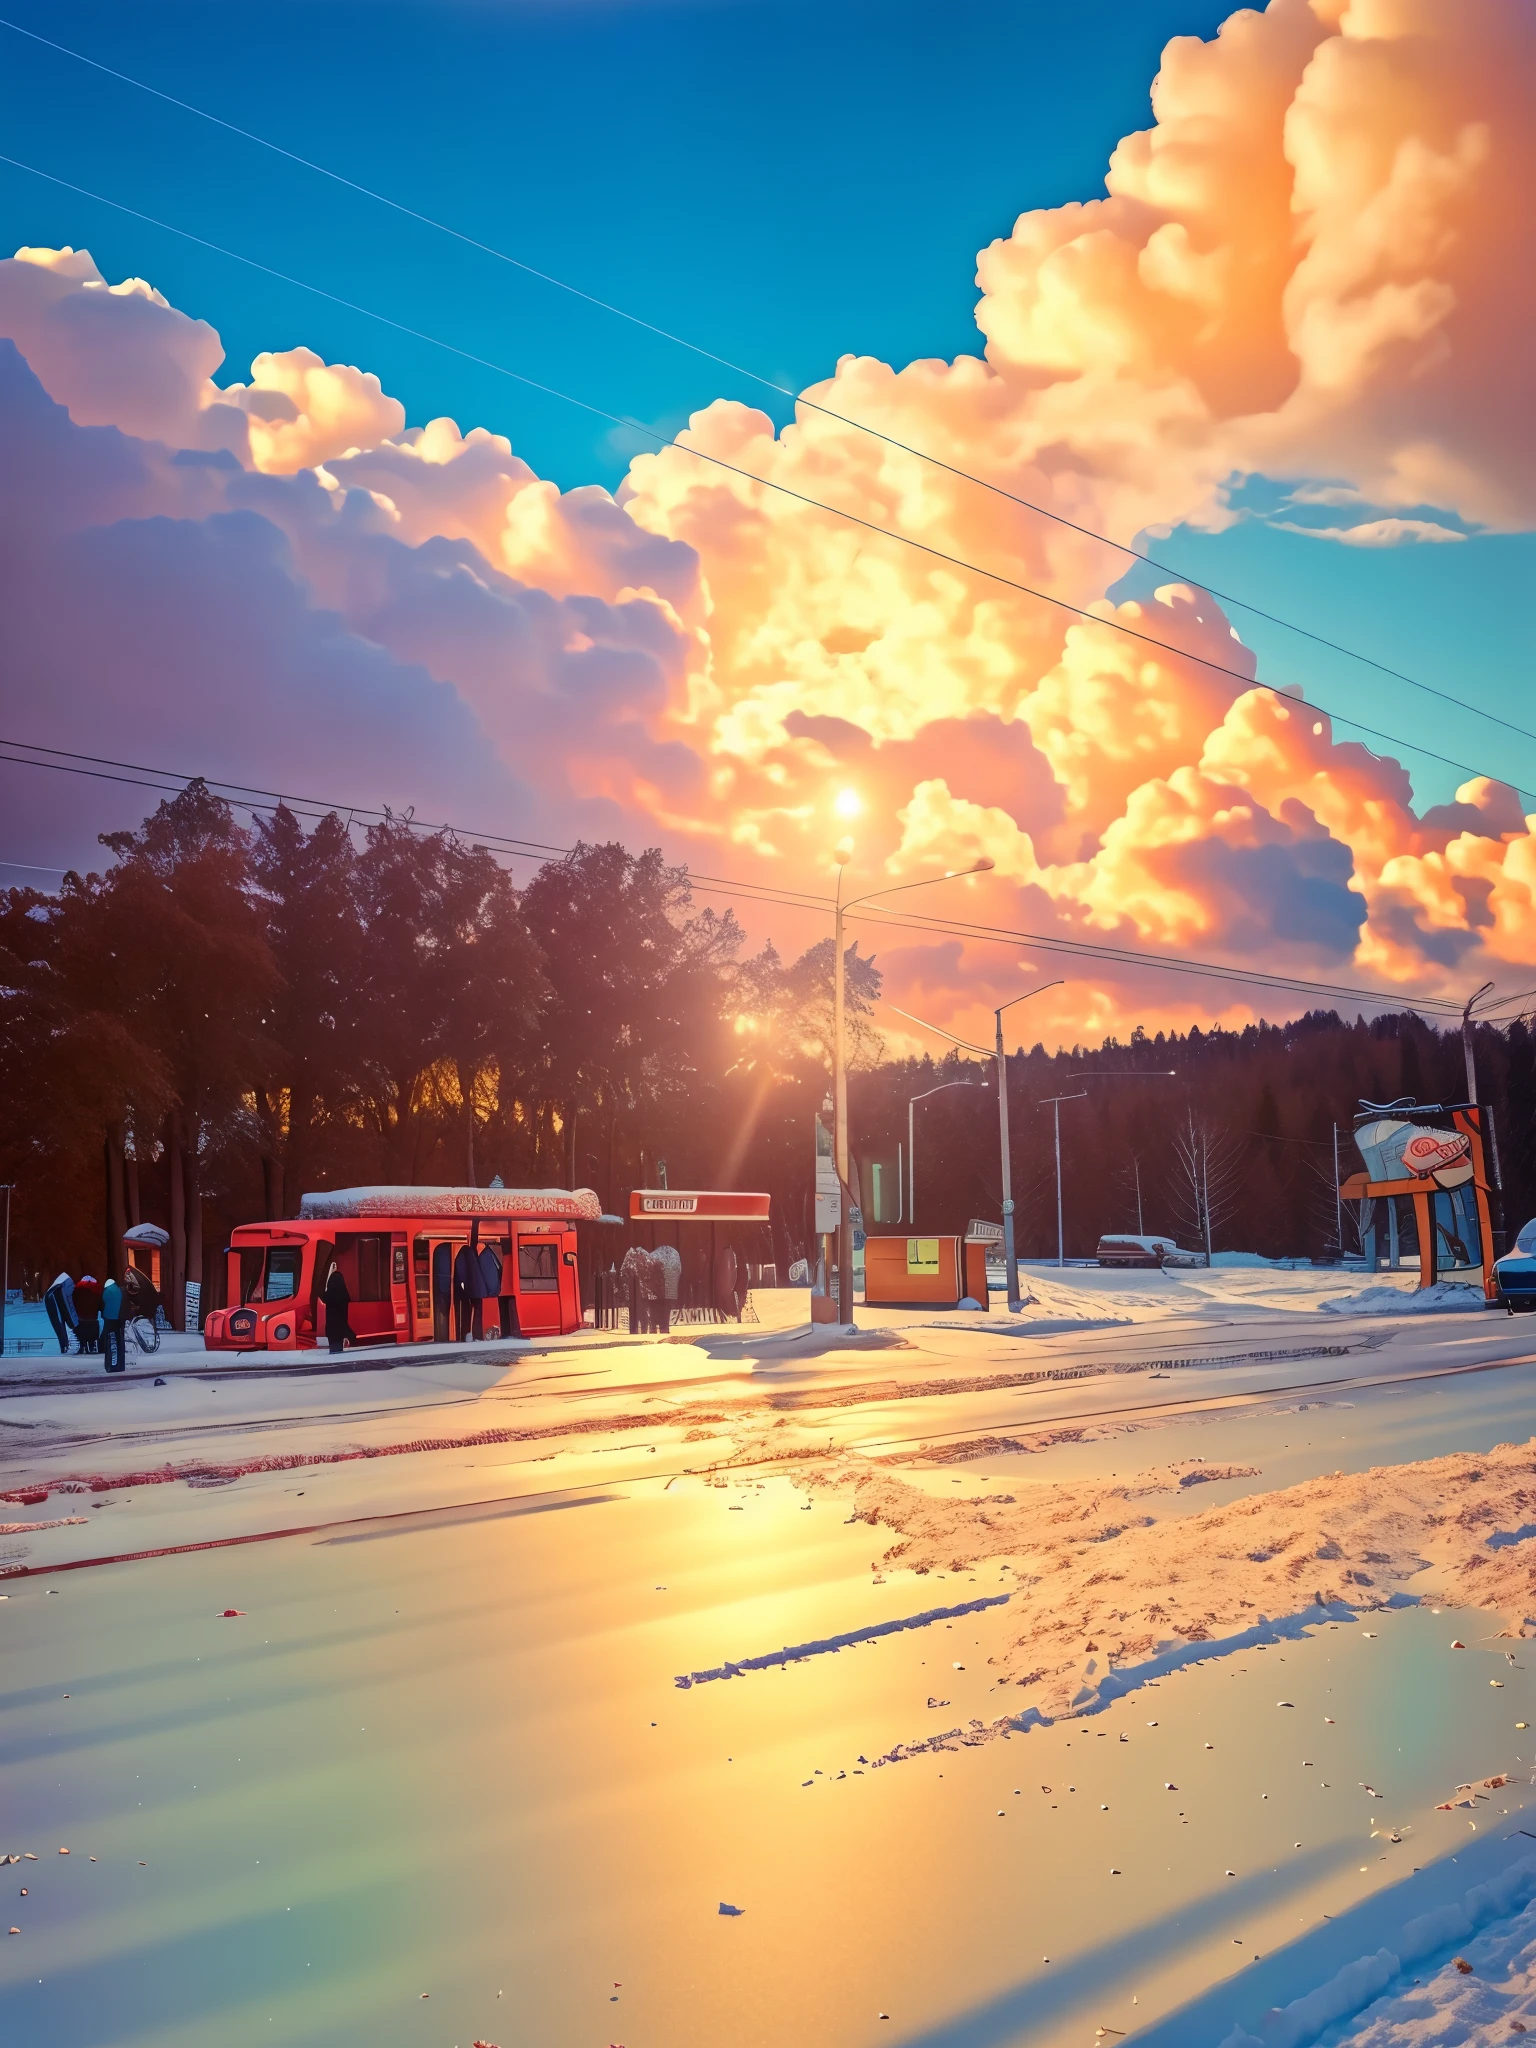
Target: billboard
<point x="1431" y="1154"/>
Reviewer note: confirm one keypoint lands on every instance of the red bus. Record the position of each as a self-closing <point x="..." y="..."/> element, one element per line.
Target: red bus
<point x="396" y="1249"/>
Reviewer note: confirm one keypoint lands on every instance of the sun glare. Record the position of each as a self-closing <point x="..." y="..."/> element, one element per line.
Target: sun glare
<point x="848" y="804"/>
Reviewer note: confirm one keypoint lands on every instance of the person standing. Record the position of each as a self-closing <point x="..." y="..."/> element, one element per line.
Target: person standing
<point x="466" y="1292"/>
<point x="442" y="1291"/>
<point x="490" y="1284"/>
<point x="59" y="1301"/>
<point x="88" y="1312"/>
<point x="338" y="1299"/>
<point x="112" y="1305"/>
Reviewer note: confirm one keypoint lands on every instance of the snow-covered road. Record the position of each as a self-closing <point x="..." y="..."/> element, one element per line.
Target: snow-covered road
<point x="441" y="1747"/>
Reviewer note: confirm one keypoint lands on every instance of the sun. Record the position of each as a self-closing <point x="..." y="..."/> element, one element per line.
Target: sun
<point x="848" y="803"/>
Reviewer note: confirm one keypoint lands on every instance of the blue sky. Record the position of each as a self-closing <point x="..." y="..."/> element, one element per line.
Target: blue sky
<point x="782" y="183"/>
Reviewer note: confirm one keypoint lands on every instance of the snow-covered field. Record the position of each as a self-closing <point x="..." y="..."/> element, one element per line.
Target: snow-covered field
<point x="1150" y="1662"/>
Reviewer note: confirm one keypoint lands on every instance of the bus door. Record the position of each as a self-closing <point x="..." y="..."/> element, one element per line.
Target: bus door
<point x="500" y="1312"/>
<point x="321" y="1253"/>
<point x="538" y="1283"/>
<point x="364" y="1259"/>
<point x="432" y="1257"/>
<point x="570" y="1284"/>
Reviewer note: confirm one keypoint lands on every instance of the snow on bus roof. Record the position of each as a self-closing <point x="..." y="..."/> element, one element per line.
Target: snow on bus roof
<point x="574" y="1205"/>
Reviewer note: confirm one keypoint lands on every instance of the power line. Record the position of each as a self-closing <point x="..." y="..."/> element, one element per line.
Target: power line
<point x="1171" y="963"/>
<point x="170" y="782"/>
<point x="1248" y="682"/>
<point x="767" y="383"/>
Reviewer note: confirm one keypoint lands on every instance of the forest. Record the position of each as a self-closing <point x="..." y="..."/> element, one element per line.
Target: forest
<point x="230" y="1015"/>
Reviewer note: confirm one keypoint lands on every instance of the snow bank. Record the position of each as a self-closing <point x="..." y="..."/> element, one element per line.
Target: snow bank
<point x="1109" y="1592"/>
<point x="1396" y="1301"/>
<point x="1454" y="2005"/>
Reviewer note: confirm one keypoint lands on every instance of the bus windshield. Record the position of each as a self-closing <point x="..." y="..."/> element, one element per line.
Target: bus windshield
<point x="284" y="1264"/>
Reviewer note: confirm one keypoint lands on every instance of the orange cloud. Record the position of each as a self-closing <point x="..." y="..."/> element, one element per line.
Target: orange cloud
<point x="1311" y="266"/>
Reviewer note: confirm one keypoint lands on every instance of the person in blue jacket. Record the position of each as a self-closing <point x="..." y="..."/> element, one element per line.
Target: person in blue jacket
<point x="467" y="1286"/>
<point x="497" y="1302"/>
<point x="112" y="1304"/>
<point x="59" y="1301"/>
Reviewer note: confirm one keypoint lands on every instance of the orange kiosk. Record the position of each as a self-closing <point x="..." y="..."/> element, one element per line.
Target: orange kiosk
<point x="927" y="1272"/>
<point x="385" y="1241"/>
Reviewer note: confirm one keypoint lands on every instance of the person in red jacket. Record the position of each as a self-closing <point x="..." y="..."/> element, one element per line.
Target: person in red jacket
<point x="88" y="1311"/>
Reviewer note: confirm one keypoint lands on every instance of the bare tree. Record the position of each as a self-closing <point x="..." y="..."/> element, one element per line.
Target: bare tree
<point x="1206" y="1178"/>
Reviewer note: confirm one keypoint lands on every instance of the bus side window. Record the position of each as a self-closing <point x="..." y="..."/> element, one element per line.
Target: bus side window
<point x="422" y="1261"/>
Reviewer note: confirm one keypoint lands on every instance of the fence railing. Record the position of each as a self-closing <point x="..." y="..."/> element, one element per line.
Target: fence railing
<point x="618" y="1302"/>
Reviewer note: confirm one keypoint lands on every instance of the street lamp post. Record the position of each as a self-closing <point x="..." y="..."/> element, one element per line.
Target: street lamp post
<point x="1010" y="1251"/>
<point x="842" y="855"/>
<point x="1106" y="1074"/>
<point x="5" y="1279"/>
<point x="912" y="1102"/>
<point x="1056" y="1101"/>
<point x="1010" y="1247"/>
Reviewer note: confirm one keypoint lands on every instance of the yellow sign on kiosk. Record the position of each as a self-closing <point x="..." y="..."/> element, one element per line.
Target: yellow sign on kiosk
<point x="923" y="1257"/>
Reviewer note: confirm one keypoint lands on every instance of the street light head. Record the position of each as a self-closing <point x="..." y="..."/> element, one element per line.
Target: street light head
<point x="848" y="803"/>
<point x="979" y="867"/>
<point x="842" y="853"/>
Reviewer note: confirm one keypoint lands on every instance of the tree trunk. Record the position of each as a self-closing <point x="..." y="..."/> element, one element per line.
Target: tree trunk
<point x="271" y="1164"/>
<point x="294" y="1164"/>
<point x="135" y="1212"/>
<point x="176" y="1307"/>
<point x="570" y="1126"/>
<point x="117" y="1220"/>
<point x="192" y="1165"/>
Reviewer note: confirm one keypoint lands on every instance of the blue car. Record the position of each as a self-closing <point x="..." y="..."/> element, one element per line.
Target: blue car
<point x="1515" y="1273"/>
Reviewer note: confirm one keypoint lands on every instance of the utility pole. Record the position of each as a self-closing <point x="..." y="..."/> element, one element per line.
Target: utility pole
<point x="1466" y="1039"/>
<point x="1338" y="1198"/>
<point x="1010" y="1246"/>
<point x="1141" y="1228"/>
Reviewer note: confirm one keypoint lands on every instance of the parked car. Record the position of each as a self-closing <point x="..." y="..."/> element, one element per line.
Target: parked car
<point x="1515" y="1274"/>
<point x="1135" y="1251"/>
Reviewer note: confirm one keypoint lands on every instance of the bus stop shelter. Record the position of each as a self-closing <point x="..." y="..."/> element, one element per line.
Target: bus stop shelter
<point x="713" y="1230"/>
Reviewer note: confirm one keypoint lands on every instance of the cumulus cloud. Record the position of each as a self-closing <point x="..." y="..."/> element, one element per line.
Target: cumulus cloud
<point x="1309" y="268"/>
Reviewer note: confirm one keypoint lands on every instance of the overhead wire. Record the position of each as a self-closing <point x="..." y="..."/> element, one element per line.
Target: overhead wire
<point x="1117" y="625"/>
<point x="618" y="312"/>
<point x="171" y="782"/>
<point x="258" y="801"/>
<point x="1169" y="963"/>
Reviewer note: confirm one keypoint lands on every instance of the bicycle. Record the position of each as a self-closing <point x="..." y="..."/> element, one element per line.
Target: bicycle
<point x="146" y="1332"/>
